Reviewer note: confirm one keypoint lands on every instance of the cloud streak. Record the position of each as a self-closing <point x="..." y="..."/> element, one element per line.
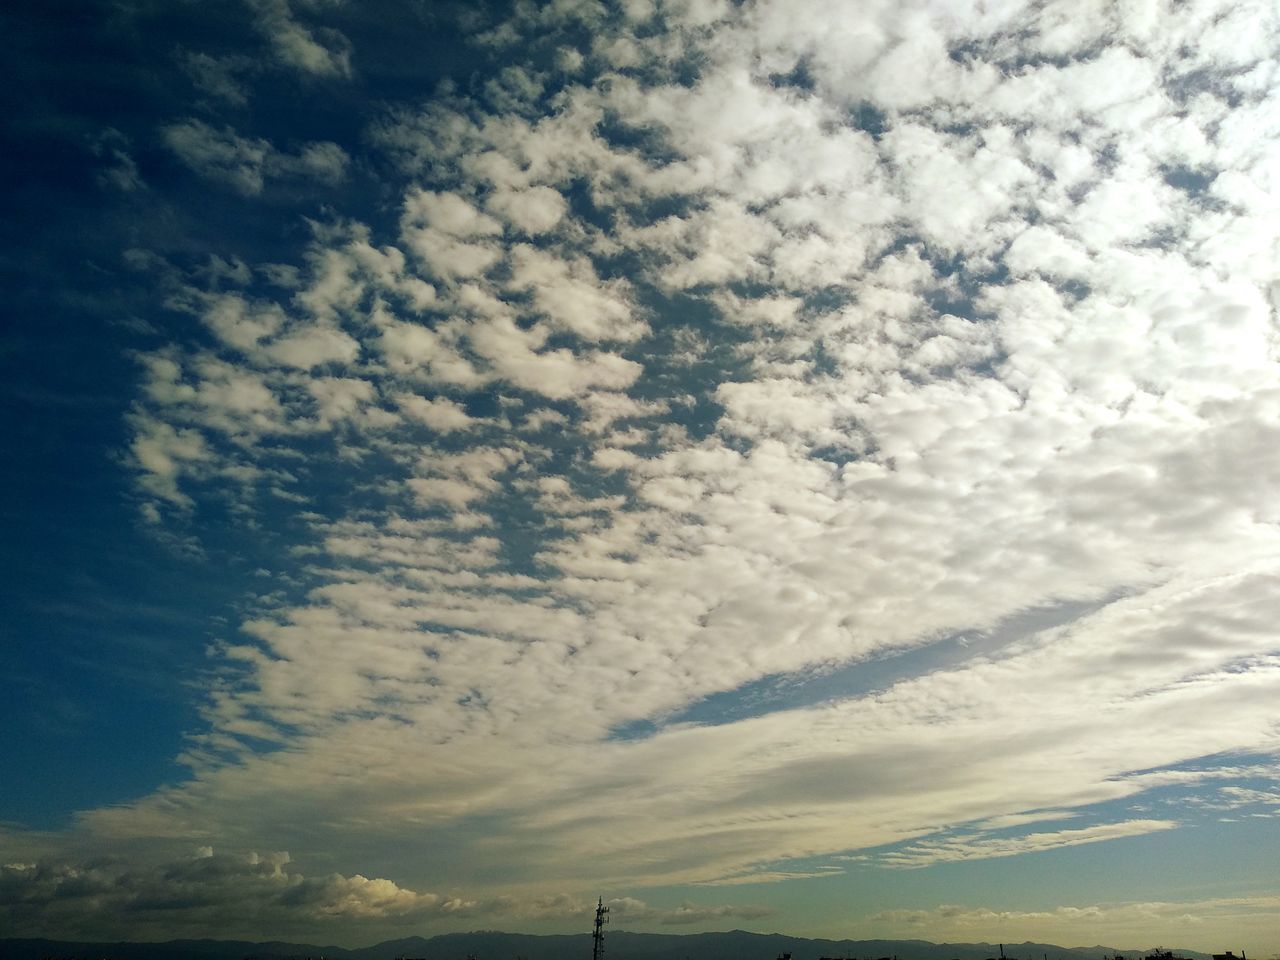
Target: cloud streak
<point x="952" y="849"/>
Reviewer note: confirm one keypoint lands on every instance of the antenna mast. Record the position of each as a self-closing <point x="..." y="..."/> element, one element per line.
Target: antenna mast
<point x="602" y="917"/>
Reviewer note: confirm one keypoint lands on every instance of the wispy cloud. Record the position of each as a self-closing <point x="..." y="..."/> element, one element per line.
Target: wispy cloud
<point x="246" y="163"/>
<point x="979" y="847"/>
<point x="320" y="52"/>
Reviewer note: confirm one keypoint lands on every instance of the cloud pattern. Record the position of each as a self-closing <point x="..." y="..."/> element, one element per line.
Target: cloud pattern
<point x="741" y="342"/>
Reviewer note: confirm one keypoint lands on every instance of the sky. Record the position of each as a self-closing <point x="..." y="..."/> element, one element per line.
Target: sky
<point x="795" y="466"/>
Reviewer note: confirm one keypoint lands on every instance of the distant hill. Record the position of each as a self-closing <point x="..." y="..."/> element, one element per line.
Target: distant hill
<point x="491" y="945"/>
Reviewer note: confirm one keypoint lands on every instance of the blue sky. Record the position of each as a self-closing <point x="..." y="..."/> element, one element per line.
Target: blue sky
<point x="798" y="467"/>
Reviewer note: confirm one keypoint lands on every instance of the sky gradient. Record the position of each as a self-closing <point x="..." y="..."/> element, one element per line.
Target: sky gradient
<point x="794" y="466"/>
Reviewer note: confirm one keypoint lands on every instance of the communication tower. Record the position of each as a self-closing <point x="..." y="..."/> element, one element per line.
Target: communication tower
<point x="602" y="917"/>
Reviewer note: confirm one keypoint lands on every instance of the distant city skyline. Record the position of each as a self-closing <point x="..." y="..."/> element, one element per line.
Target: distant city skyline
<point x="795" y="466"/>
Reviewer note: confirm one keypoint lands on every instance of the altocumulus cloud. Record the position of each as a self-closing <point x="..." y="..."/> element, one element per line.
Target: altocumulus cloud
<point x="967" y="380"/>
<point x="768" y="339"/>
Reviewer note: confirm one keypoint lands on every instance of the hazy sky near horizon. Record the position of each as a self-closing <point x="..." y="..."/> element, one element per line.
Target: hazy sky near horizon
<point x="798" y="466"/>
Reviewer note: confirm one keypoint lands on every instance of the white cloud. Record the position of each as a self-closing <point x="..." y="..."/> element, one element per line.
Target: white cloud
<point x="326" y="162"/>
<point x="349" y="399"/>
<point x="307" y="347"/>
<point x="220" y="154"/>
<point x="535" y="210"/>
<point x="246" y="163"/>
<point x="448" y="213"/>
<point x="164" y="454"/>
<point x="297" y="47"/>
<point x="438" y="413"/>
<point x="569" y="293"/>
<point x="240" y="324"/>
<point x="216" y="76"/>
<point x="951" y="849"/>
<point x="459" y="478"/>
<point x="521" y="357"/>
<point x="121" y="172"/>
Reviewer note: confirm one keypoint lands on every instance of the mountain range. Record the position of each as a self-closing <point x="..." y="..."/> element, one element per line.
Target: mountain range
<point x="493" y="945"/>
